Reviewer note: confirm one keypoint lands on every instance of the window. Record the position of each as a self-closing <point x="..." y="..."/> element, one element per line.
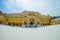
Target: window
<point x="7" y="19"/>
<point x="38" y="22"/>
<point x="44" y="20"/>
<point x="59" y="22"/>
<point x="17" y="24"/>
<point x="32" y="19"/>
<point x="8" y="23"/>
<point x="20" y="24"/>
<point x="0" y="22"/>
<point x="25" y="16"/>
<point x="14" y="24"/>
<point x="25" y="23"/>
<point x="31" y="23"/>
<point x="31" y="14"/>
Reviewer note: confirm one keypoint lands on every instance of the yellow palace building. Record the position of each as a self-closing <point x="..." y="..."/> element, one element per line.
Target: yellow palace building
<point x="25" y="17"/>
<point x="55" y="20"/>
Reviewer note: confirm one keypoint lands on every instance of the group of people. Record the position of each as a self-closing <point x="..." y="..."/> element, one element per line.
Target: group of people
<point x="31" y="25"/>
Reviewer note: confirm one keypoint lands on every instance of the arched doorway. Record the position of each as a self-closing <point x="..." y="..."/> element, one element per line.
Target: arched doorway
<point x="32" y="21"/>
<point x="14" y="24"/>
<point x="20" y="24"/>
<point x="17" y="24"/>
<point x="38" y="22"/>
<point x="0" y="22"/>
<point x="25" y="22"/>
<point x="9" y="23"/>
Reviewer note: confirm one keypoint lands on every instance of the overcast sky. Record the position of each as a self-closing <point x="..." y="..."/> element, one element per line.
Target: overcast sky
<point x="46" y="7"/>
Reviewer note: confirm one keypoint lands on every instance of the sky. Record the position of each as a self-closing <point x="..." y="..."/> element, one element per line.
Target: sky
<point x="45" y="7"/>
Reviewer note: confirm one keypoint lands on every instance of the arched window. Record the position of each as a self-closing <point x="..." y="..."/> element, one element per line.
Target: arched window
<point x="38" y="22"/>
<point x="31" y="23"/>
<point x="0" y="22"/>
<point x="7" y="19"/>
<point x="31" y="19"/>
<point x="25" y="23"/>
<point x="59" y="22"/>
<point x="8" y="23"/>
<point x="17" y="24"/>
<point x="20" y="24"/>
<point x="14" y="24"/>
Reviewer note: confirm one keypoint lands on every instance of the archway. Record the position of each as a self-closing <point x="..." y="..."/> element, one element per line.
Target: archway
<point x="14" y="24"/>
<point x="17" y="24"/>
<point x="32" y="21"/>
<point x="0" y="22"/>
<point x="25" y="22"/>
<point x="9" y="23"/>
<point x="20" y="24"/>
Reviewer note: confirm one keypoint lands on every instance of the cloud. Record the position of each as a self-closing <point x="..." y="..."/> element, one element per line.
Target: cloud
<point x="43" y="6"/>
<point x="24" y="4"/>
<point x="13" y="6"/>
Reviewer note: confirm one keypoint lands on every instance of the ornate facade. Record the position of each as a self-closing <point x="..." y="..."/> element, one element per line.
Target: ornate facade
<point x="55" y="21"/>
<point x="25" y="17"/>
